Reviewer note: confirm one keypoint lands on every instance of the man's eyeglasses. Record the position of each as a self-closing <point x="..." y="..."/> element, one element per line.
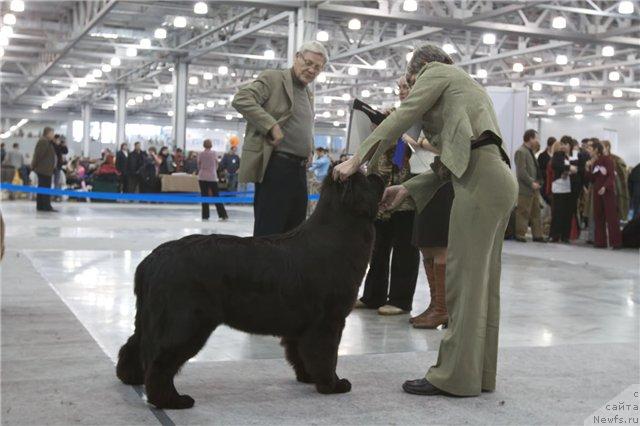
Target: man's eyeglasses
<point x="310" y="64"/>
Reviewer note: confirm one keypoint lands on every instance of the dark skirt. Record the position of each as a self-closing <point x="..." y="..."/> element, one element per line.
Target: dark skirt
<point x="431" y="226"/>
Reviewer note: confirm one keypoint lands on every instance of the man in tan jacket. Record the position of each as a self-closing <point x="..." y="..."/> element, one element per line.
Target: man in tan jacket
<point x="44" y="163"/>
<point x="278" y="107"/>
<point x="527" y="171"/>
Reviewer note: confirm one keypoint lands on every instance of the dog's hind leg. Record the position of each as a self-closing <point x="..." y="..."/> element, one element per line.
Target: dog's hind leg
<point x="293" y="356"/>
<point x="170" y="355"/>
<point x="318" y="349"/>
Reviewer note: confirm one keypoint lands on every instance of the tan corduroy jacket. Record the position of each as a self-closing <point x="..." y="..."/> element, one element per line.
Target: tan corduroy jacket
<point x="454" y="110"/>
<point x="526" y="170"/>
<point x="264" y="102"/>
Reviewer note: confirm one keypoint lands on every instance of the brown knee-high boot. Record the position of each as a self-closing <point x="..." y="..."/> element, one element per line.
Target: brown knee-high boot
<point x="438" y="315"/>
<point x="431" y="280"/>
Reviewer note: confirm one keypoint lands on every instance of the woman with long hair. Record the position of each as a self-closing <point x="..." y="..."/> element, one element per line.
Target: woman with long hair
<point x="563" y="201"/>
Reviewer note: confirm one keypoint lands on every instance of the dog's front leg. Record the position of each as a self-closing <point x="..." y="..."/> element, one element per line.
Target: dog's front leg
<point x="318" y="349"/>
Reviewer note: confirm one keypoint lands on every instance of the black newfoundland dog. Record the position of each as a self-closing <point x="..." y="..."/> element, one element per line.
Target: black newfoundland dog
<point x="299" y="286"/>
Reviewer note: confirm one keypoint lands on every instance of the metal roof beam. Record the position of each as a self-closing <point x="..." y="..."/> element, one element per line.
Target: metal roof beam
<point x="96" y="19"/>
<point x="460" y="24"/>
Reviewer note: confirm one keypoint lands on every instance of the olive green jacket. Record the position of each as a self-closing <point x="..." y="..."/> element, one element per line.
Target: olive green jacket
<point x="264" y="102"/>
<point x="454" y="111"/>
<point x="526" y="171"/>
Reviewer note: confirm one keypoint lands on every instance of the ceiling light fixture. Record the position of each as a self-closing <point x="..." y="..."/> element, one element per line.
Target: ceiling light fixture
<point x="200" y="8"/>
<point x="322" y="36"/>
<point x="132" y="52"/>
<point x="145" y="43"/>
<point x="614" y="76"/>
<point x="115" y="61"/>
<point x="551" y="111"/>
<point x="574" y="82"/>
<point x="518" y="67"/>
<point x="481" y="73"/>
<point x="449" y="48"/>
<point x="625" y="7"/>
<point x="223" y="70"/>
<point x="617" y="93"/>
<point x="410" y="5"/>
<point x="608" y="51"/>
<point x="355" y="24"/>
<point x="608" y="107"/>
<point x="489" y="38"/>
<point x="562" y="60"/>
<point x="559" y="23"/>
<point x="269" y="54"/>
<point x="179" y="22"/>
<point x="9" y="19"/>
<point x="353" y="71"/>
<point x="160" y="33"/>
<point x="17" y="6"/>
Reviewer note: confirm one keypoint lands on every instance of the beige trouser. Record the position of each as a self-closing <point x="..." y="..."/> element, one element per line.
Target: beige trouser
<point x="484" y="197"/>
<point x="528" y="211"/>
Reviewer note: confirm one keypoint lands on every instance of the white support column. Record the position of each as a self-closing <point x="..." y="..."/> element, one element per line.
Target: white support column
<point x="180" y="82"/>
<point x="291" y="40"/>
<point x="86" y="129"/>
<point x="307" y="25"/>
<point x="121" y="115"/>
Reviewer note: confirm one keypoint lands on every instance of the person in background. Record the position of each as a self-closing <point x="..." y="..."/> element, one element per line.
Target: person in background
<point x="167" y="166"/>
<point x="391" y="291"/>
<point x="149" y="181"/>
<point x="15" y="158"/>
<point x="121" y="165"/>
<point x="320" y="166"/>
<point x="528" y="173"/>
<point x="343" y="158"/>
<point x="178" y="159"/>
<point x="278" y="108"/>
<point x="191" y="163"/>
<point x="135" y="161"/>
<point x="231" y="163"/>
<point x="605" y="210"/>
<point x="59" y="178"/>
<point x="430" y="229"/>
<point x="44" y="165"/>
<point x="634" y="191"/>
<point x="621" y="190"/>
<point x="563" y="207"/>
<point x="3" y="152"/>
<point x="208" y="180"/>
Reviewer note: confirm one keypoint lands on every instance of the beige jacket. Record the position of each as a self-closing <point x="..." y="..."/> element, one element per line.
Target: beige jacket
<point x="264" y="102"/>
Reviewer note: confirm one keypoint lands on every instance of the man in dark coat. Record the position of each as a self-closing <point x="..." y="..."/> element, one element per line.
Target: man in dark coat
<point x="121" y="164"/>
<point x="44" y="164"/>
<point x="135" y="160"/>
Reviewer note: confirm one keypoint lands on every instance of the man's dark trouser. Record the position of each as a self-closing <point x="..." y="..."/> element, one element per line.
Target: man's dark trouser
<point x="280" y="202"/>
<point x="232" y="182"/>
<point x="133" y="183"/>
<point x="43" y="202"/>
<point x="394" y="233"/>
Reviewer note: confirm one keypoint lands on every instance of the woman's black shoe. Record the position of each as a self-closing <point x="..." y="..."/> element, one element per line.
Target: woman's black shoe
<point x="421" y="387"/>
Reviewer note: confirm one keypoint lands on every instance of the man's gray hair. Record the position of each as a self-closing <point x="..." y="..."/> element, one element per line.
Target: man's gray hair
<point x="315" y="47"/>
<point x="424" y="54"/>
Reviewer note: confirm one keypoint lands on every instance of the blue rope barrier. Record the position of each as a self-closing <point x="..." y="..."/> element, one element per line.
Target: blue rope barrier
<point x="160" y="198"/>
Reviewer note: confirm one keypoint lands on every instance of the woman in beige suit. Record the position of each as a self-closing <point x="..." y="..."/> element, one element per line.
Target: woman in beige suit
<point x="459" y="120"/>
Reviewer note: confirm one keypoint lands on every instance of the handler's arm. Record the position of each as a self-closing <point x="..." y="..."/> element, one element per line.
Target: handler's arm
<point x="250" y="99"/>
<point x="425" y="93"/>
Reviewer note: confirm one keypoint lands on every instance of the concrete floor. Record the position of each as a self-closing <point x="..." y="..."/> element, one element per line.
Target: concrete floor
<point x="569" y="334"/>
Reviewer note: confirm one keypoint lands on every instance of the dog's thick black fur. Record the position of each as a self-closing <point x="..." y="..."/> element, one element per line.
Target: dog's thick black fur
<point x="299" y="286"/>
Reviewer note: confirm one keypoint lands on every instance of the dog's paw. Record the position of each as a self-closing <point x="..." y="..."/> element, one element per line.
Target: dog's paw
<point x="304" y="378"/>
<point x="178" y="403"/>
<point x="343" y="386"/>
<point x="339" y="386"/>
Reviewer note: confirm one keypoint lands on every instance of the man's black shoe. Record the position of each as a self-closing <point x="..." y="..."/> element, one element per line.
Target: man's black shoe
<point x="541" y="240"/>
<point x="520" y="239"/>
<point x="421" y="387"/>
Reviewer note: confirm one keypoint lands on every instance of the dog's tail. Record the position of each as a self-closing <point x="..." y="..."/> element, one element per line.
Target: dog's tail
<point x="130" y="369"/>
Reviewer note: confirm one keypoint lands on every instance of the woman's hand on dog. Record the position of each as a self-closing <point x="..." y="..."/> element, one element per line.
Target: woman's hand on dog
<point x="343" y="170"/>
<point x="393" y="196"/>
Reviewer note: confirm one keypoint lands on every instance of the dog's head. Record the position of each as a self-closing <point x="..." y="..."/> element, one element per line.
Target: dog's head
<point x="359" y="194"/>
